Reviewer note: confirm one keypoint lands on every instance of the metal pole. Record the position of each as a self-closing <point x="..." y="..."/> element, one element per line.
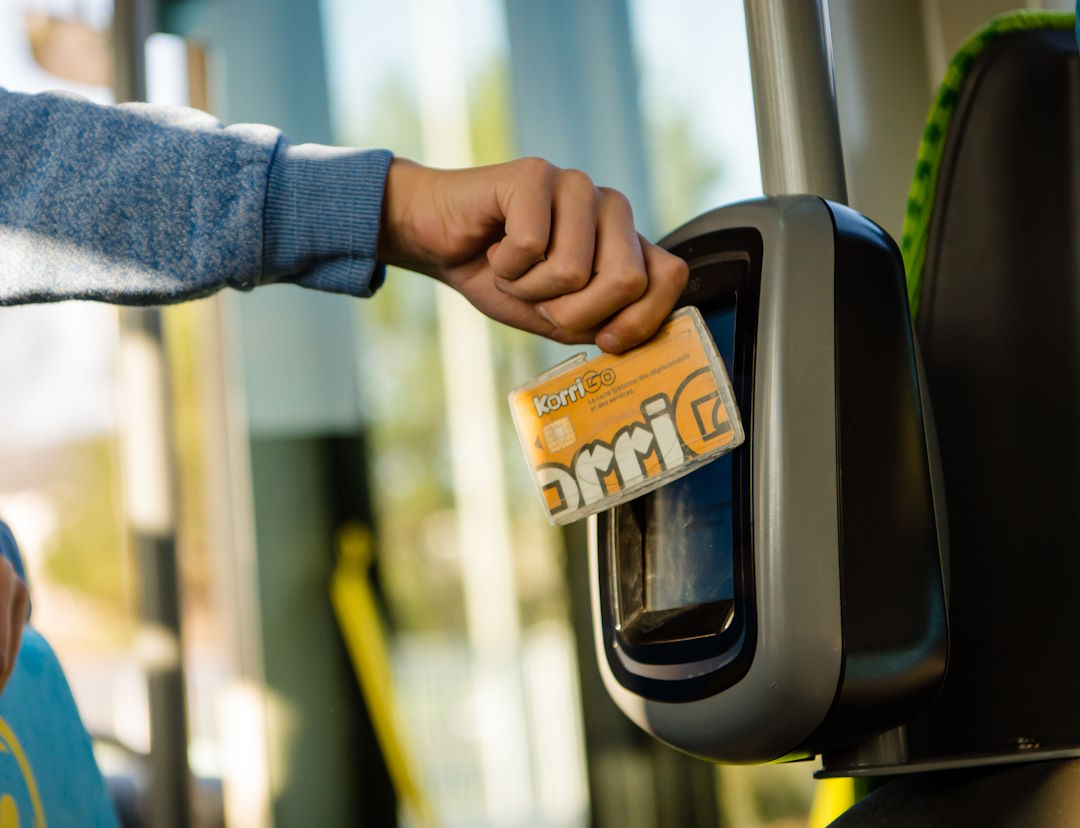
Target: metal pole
<point x="795" y="98"/>
<point x="149" y="472"/>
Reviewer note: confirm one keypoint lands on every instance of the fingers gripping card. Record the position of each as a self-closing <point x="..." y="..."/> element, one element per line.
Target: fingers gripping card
<point x="600" y="432"/>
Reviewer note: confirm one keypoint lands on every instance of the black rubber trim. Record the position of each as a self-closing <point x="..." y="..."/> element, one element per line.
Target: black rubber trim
<point x="895" y="637"/>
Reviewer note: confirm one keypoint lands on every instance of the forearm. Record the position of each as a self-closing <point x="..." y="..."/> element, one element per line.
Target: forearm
<point x="144" y="205"/>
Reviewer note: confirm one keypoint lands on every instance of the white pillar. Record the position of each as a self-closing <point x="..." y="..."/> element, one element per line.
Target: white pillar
<point x="483" y="530"/>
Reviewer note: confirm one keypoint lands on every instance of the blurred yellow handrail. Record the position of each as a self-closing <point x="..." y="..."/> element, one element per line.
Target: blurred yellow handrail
<point x="831" y="798"/>
<point x="365" y="637"/>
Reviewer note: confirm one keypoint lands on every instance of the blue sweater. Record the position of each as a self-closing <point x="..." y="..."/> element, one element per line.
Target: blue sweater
<point x="146" y="205"/>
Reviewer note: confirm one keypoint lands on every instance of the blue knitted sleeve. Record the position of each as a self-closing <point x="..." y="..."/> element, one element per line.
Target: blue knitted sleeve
<point x="146" y="205"/>
<point x="322" y="216"/>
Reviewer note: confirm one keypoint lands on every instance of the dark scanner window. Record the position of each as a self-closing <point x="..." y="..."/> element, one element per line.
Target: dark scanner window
<point x="675" y="546"/>
<point x="676" y="565"/>
<point x="688" y="531"/>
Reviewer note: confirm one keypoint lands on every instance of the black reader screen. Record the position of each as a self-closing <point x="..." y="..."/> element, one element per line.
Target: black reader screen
<point x="676" y="565"/>
<point x="675" y="573"/>
<point x="688" y="536"/>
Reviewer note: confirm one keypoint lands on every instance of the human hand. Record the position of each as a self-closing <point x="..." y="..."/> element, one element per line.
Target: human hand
<point x="534" y="246"/>
<point x="14" y="599"/>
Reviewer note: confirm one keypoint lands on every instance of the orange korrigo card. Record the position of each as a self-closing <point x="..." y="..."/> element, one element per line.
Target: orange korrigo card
<point x="599" y="432"/>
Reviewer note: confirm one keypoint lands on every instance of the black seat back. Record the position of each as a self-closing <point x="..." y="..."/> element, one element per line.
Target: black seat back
<point x="999" y="326"/>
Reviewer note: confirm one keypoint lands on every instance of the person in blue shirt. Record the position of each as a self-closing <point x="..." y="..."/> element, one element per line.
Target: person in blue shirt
<point x="14" y="603"/>
<point x="143" y="205"/>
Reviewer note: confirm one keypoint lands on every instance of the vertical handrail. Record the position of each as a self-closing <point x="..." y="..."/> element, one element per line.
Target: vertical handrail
<point x="791" y="70"/>
<point x="149" y="496"/>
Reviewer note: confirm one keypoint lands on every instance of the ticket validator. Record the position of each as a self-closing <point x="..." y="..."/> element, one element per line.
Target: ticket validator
<point x="789" y="598"/>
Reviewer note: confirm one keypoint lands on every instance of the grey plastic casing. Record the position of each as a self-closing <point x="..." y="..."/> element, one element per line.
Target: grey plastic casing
<point x="796" y="667"/>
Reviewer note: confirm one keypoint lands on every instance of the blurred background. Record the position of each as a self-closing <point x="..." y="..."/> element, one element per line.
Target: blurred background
<point x="189" y="485"/>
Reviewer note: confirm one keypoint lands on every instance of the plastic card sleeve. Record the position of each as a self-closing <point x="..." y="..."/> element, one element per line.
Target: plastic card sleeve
<point x="599" y="432"/>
